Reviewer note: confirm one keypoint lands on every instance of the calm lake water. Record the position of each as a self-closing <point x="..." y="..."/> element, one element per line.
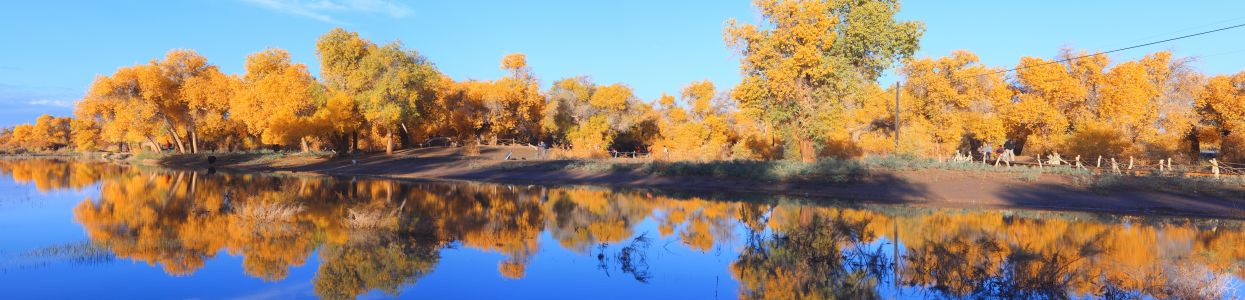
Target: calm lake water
<point x="82" y="230"/>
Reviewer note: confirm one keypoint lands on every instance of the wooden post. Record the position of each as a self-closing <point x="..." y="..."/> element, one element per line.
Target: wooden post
<point x="1099" y="162"/>
<point x="897" y="117"/>
<point x="1214" y="167"/>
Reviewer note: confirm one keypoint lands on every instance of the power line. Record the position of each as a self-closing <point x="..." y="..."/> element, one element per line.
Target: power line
<point x="1112" y="51"/>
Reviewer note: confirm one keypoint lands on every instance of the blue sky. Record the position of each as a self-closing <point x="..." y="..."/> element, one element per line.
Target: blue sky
<point x="53" y="48"/>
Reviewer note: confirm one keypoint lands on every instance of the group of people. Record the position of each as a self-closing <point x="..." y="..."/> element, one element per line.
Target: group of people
<point x="639" y="150"/>
<point x="543" y="150"/>
<point x="1002" y="152"/>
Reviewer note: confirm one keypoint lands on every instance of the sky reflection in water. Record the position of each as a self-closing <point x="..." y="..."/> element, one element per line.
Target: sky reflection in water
<point x="79" y="230"/>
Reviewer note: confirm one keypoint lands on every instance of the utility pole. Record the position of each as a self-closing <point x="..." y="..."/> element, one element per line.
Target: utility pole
<point x="897" y="117"/>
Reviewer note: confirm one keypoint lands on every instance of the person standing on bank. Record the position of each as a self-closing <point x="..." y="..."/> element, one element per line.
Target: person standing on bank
<point x="985" y="150"/>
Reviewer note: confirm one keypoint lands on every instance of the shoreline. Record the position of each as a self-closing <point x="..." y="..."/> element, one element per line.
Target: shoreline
<point x="937" y="188"/>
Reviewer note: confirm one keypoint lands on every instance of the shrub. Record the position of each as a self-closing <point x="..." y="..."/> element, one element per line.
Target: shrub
<point x="1092" y="141"/>
<point x="266" y="212"/>
<point x="1232" y="148"/>
<point x="366" y="218"/>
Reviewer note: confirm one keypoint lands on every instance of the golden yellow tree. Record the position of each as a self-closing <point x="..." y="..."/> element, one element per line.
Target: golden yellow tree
<point x="178" y="68"/>
<point x="1128" y="100"/>
<point x="47" y="133"/>
<point x="458" y="110"/>
<point x="591" y="116"/>
<point x="1177" y="121"/>
<point x="515" y="102"/>
<point x="276" y="99"/>
<point x="807" y="55"/>
<point x="163" y="100"/>
<point x="1222" y="102"/>
<point x="336" y="120"/>
<point x="959" y="101"/>
<point x="207" y="97"/>
<point x="1221" y="107"/>
<point x="118" y="106"/>
<point x="704" y="133"/>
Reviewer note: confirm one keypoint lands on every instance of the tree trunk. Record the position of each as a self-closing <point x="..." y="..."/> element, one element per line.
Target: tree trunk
<point x="807" y="151"/>
<point x="354" y="141"/>
<point x="302" y="144"/>
<point x="181" y="147"/>
<point x="177" y="182"/>
<point x="227" y="146"/>
<point x="389" y="143"/>
<point x="190" y="189"/>
<point x="405" y="138"/>
<point x="154" y="146"/>
<point x="1195" y="146"/>
<point x="194" y="140"/>
<point x="341" y="143"/>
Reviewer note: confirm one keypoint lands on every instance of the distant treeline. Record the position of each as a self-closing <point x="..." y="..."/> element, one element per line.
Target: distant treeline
<point x="809" y="90"/>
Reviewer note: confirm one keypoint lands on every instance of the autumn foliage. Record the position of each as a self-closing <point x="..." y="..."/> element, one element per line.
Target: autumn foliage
<point x="809" y="89"/>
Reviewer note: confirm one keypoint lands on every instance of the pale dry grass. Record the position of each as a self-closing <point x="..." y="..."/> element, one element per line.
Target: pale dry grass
<point x="264" y="212"/>
<point x="1198" y="282"/>
<point x="367" y="218"/>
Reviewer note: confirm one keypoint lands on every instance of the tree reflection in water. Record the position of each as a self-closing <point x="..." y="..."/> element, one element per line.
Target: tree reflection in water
<point x="378" y="235"/>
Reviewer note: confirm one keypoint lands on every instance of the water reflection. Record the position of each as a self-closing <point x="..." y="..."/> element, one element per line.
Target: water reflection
<point x="380" y="235"/>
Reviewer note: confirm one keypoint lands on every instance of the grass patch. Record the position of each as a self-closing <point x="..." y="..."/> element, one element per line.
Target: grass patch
<point x="853" y="170"/>
<point x="824" y="170"/>
<point x="821" y="171"/>
<point x="1227" y="186"/>
<point x="249" y="156"/>
<point x="1029" y="174"/>
<point x="84" y="252"/>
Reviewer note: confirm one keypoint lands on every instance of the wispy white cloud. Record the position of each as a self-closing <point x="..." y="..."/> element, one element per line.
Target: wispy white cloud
<point x="323" y="10"/>
<point x="51" y="102"/>
<point x="23" y="103"/>
<point x="33" y="96"/>
<point x="296" y="290"/>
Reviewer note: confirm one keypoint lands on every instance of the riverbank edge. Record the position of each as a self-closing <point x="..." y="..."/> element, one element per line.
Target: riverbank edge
<point x="935" y="188"/>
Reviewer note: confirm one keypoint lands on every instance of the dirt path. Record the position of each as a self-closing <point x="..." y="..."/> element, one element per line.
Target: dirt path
<point x="930" y="188"/>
